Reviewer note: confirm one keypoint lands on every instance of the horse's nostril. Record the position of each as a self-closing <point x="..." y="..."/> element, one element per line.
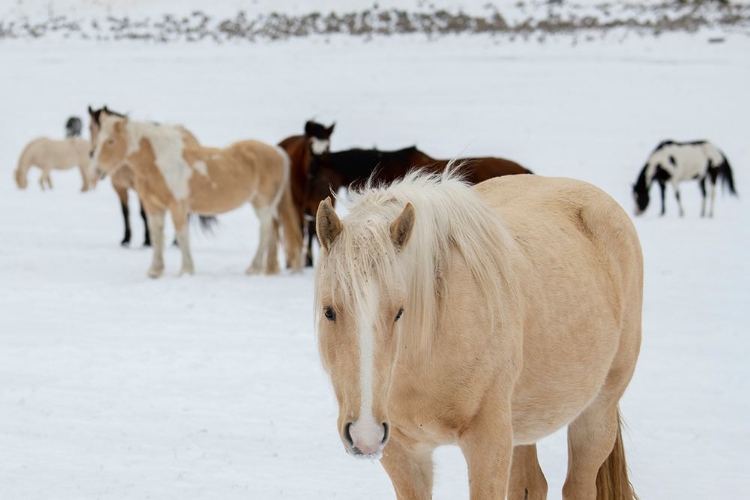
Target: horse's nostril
<point x="386" y="430"/>
<point x="347" y="435"/>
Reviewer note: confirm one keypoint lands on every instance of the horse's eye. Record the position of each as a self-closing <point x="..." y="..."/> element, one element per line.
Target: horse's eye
<point x="111" y="141"/>
<point x="329" y="314"/>
<point x="398" y="316"/>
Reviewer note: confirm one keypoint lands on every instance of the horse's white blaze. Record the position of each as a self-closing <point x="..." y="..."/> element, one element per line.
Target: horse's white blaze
<point x="320" y="146"/>
<point x="366" y="432"/>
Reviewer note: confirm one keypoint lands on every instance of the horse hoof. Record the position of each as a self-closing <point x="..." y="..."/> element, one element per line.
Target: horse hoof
<point x="251" y="271"/>
<point x="125" y="243"/>
<point x="188" y="271"/>
<point x="146" y="244"/>
<point x="155" y="273"/>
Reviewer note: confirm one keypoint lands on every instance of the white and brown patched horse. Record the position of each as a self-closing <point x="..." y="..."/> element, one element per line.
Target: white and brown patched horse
<point x="487" y="317"/>
<point x="51" y="154"/>
<point x="183" y="178"/>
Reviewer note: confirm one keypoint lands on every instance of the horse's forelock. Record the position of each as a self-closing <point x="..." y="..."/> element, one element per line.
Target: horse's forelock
<point x="448" y="215"/>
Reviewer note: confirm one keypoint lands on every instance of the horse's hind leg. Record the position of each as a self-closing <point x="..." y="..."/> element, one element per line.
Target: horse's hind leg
<point x="702" y="184"/>
<point x="527" y="480"/>
<point x="410" y="470"/>
<point x="266" y="226"/>
<point x="676" y="187"/>
<point x="596" y="461"/>
<point x="182" y="233"/>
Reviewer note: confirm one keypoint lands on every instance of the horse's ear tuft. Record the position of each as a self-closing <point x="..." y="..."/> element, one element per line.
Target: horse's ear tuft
<point x="327" y="224"/>
<point x="401" y="228"/>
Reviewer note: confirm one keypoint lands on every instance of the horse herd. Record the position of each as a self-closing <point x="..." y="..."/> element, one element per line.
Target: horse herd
<point x="454" y="304"/>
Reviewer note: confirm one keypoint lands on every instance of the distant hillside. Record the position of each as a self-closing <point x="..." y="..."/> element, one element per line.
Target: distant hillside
<point x="259" y="20"/>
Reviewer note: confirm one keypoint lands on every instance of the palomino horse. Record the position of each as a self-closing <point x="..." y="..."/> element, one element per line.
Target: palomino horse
<point x="123" y="178"/>
<point x="489" y="317"/>
<point x="317" y="139"/>
<point x="175" y="176"/>
<point x="675" y="162"/>
<point x="328" y="172"/>
<point x="50" y="154"/>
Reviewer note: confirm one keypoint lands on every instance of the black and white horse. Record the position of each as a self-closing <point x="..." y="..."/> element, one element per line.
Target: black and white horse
<point x="675" y="162"/>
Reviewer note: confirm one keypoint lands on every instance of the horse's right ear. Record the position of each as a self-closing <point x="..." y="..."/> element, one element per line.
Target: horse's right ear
<point x="91" y="111"/>
<point x="329" y="130"/>
<point x="308" y="127"/>
<point x="327" y="224"/>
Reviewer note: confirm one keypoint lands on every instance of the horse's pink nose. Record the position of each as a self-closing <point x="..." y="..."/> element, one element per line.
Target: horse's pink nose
<point x="365" y="437"/>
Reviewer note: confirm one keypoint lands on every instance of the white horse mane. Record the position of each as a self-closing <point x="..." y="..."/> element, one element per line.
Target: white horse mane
<point x="449" y="215"/>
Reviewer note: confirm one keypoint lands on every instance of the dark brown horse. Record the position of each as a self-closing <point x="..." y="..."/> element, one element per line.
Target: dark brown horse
<point x="330" y="171"/>
<point x="300" y="148"/>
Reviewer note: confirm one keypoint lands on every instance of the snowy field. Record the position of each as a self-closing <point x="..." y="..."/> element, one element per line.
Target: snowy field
<point x="114" y="386"/>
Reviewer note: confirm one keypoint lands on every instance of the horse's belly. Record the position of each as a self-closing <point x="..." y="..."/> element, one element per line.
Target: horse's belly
<point x="554" y="399"/>
<point x="212" y="198"/>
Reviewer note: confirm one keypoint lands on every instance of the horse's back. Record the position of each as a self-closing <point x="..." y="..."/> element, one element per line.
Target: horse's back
<point x="568" y="205"/>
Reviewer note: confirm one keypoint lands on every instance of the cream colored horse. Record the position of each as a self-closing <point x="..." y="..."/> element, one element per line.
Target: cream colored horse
<point x="171" y="175"/>
<point x="50" y="154"/>
<point x="487" y="317"/>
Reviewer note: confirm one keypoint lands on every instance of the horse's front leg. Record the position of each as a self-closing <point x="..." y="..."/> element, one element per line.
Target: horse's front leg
<point x="180" y="215"/>
<point x="156" y="228"/>
<point x="410" y="468"/>
<point x="527" y="481"/>
<point x="702" y="184"/>
<point x="487" y="444"/>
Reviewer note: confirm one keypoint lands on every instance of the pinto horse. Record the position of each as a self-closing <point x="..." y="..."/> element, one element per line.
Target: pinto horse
<point x="123" y="178"/>
<point x="173" y="175"/>
<point x="328" y="172"/>
<point x="487" y="316"/>
<point x="316" y="139"/>
<point x="675" y="162"/>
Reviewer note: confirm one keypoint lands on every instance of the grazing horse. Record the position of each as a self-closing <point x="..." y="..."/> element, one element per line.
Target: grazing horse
<point x="487" y="316"/>
<point x="675" y="162"/>
<point x="173" y="175"/>
<point x="50" y="154"/>
<point x="73" y="127"/>
<point x="331" y="171"/>
<point x="123" y="178"/>
<point x="317" y="139"/>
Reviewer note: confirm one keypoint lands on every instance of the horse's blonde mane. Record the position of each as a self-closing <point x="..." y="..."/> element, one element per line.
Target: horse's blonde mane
<point x="449" y="215"/>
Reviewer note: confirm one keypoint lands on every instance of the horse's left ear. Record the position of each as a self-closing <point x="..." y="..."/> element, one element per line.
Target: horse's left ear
<point x="402" y="226"/>
<point x="329" y="130"/>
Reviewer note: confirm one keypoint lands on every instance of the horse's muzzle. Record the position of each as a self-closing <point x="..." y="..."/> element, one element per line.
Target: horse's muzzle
<point x="366" y="439"/>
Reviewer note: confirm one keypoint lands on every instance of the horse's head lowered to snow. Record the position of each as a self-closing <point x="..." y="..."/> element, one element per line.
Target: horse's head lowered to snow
<point x="360" y="299"/>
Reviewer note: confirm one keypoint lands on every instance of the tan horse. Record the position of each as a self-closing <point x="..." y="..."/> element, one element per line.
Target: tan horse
<point x="50" y="154"/>
<point x="488" y="317"/>
<point x="123" y="178"/>
<point x="172" y="175"/>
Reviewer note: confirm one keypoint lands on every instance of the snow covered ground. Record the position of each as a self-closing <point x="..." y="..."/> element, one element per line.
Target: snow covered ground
<point x="113" y="386"/>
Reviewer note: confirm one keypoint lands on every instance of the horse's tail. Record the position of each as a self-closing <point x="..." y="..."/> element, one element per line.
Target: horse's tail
<point x="286" y="214"/>
<point x="290" y="225"/>
<point x="612" y="481"/>
<point x="208" y="223"/>
<point x="725" y="172"/>
<point x="24" y="162"/>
